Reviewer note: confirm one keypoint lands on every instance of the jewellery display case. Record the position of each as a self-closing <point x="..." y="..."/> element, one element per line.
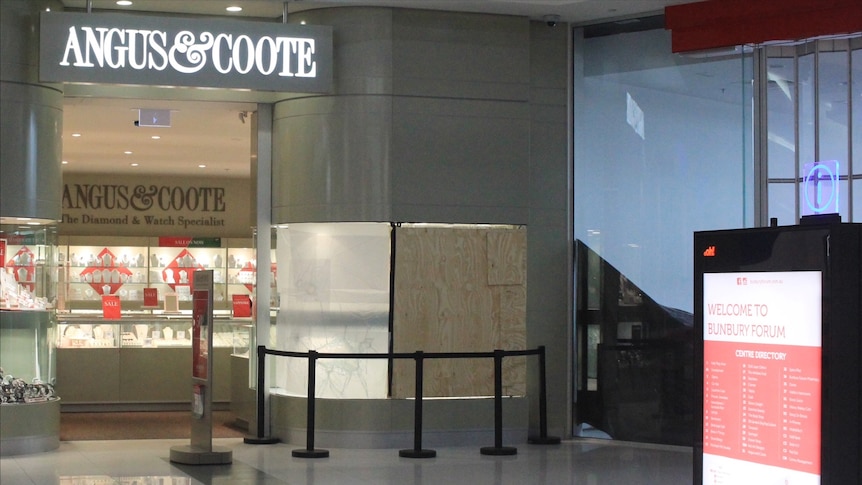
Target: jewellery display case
<point x="125" y="266"/>
<point x="83" y="332"/>
<point x="29" y="406"/>
<point x="139" y="362"/>
<point x="242" y="342"/>
<point x="28" y="269"/>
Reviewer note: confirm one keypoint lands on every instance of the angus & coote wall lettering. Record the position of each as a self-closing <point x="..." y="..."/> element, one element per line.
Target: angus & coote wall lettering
<point x="144" y="206"/>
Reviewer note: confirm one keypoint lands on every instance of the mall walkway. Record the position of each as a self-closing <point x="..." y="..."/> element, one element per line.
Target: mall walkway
<point x="145" y="462"/>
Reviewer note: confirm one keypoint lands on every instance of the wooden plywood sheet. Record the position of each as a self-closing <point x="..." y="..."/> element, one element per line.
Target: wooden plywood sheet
<point x="507" y="257"/>
<point x="459" y="290"/>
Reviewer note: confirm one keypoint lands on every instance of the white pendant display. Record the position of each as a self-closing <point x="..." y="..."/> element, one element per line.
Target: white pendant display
<point x="141" y="331"/>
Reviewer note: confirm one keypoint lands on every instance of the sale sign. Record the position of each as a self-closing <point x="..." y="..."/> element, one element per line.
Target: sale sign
<point x="241" y="305"/>
<point x="151" y="297"/>
<point x="111" y="307"/>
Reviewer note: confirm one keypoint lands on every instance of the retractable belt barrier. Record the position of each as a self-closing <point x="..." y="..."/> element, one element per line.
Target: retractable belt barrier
<point x="419" y="357"/>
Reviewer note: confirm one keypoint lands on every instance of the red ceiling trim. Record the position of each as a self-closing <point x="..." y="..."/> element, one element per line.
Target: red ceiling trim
<point x="716" y="24"/>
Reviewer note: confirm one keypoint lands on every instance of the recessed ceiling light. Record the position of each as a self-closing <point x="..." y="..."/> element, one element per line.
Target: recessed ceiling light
<point x="76" y="135"/>
<point x="133" y="164"/>
<point x="65" y="162"/>
<point x="123" y="3"/>
<point x="202" y="166"/>
<point x="155" y="137"/>
<point x="127" y="152"/>
<point x="234" y="8"/>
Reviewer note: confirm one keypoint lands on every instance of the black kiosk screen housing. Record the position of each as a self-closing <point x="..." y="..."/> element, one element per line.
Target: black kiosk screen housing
<point x="777" y="365"/>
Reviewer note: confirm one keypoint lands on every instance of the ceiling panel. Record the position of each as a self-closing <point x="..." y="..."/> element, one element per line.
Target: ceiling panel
<point x="214" y="134"/>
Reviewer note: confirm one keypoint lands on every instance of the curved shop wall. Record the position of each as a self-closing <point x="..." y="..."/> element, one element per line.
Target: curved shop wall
<point x="30" y="175"/>
<point x="436" y="117"/>
<point x="30" y="179"/>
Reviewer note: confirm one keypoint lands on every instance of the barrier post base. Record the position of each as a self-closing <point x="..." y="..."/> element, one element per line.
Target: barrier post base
<point x="544" y="440"/>
<point x="499" y="450"/>
<point x="310" y="453"/>
<point x="190" y="455"/>
<point x="260" y="440"/>
<point x="414" y="453"/>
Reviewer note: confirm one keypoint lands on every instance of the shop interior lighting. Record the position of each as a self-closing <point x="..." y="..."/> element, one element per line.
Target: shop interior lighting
<point x="124" y="3"/>
<point x="202" y="166"/>
<point x="76" y="135"/>
<point x="127" y="152"/>
<point x="155" y="137"/>
<point x="234" y="8"/>
<point x="25" y="220"/>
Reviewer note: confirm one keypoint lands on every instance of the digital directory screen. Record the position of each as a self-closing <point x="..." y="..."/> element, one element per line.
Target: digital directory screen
<point x="762" y="345"/>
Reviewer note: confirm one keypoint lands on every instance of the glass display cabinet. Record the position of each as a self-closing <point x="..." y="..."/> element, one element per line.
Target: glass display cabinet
<point x="86" y="332"/>
<point x="29" y="406"/>
<point x="125" y="266"/>
<point x="140" y="361"/>
<point x="242" y="340"/>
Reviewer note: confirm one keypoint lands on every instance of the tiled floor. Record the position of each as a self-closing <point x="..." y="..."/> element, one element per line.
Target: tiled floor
<point x="588" y="462"/>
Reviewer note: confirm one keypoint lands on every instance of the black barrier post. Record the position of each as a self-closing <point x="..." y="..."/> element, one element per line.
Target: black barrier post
<point x="260" y="439"/>
<point x="498" y="448"/>
<point x="309" y="451"/>
<point x="543" y="438"/>
<point x="417" y="451"/>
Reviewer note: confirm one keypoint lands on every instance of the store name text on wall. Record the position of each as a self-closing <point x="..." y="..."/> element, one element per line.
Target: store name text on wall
<point x="186" y="53"/>
<point x="143" y="197"/>
<point x="109" y="48"/>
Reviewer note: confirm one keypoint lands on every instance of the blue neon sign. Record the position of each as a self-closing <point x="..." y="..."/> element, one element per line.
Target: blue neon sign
<point x="820" y="187"/>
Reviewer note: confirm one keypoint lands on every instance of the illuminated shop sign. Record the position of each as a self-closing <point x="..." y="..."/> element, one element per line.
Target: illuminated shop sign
<point x="145" y="50"/>
<point x="820" y="186"/>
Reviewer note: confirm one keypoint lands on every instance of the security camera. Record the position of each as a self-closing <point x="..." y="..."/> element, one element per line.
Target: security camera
<point x="551" y="20"/>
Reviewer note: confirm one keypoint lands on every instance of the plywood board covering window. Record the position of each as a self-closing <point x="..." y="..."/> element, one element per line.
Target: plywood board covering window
<point x="460" y="289"/>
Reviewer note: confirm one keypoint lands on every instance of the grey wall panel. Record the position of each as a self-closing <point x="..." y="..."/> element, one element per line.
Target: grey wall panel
<point x="456" y="158"/>
<point x="548" y="184"/>
<point x="362" y="40"/>
<point x="30" y="118"/>
<point x="30" y="152"/>
<point x="549" y="234"/>
<point x="548" y="51"/>
<point x="331" y="159"/>
<point x="19" y="38"/>
<point x="460" y="55"/>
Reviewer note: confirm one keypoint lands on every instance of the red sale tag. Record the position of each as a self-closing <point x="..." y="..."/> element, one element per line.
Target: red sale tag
<point x="241" y="305"/>
<point x="151" y="297"/>
<point x="111" y="307"/>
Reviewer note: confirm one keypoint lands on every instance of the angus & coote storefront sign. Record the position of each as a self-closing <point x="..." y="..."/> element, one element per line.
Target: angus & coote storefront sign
<point x="167" y="51"/>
